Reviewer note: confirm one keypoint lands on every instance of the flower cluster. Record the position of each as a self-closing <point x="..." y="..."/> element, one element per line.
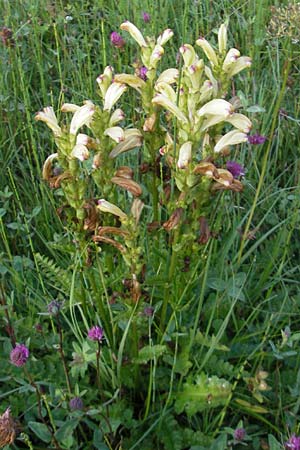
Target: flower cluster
<point x="19" y="355"/>
<point x="293" y="443"/>
<point x="96" y="333"/>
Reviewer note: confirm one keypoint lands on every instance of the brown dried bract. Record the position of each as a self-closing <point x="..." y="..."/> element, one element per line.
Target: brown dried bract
<point x="129" y="185"/>
<point x="174" y="219"/>
<point x="8" y="429"/>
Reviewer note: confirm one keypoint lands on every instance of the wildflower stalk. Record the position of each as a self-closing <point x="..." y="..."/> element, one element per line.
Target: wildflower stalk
<point x="39" y="405"/>
<point x="286" y="70"/>
<point x="62" y="355"/>
<point x="98" y="354"/>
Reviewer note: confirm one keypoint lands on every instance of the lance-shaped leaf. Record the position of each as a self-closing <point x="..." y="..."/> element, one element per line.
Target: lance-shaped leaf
<point x="82" y="116"/>
<point x="133" y="138"/>
<point x="208" y="50"/>
<point x="131" y="80"/>
<point x="134" y="32"/>
<point x="105" y="206"/>
<point x="113" y="94"/>
<point x="162" y="100"/>
<point x="218" y="107"/>
<point x="48" y="116"/>
<point x="115" y="133"/>
<point x="232" y="138"/>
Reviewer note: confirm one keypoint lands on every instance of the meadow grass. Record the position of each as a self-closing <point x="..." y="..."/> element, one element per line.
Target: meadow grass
<point x="233" y="315"/>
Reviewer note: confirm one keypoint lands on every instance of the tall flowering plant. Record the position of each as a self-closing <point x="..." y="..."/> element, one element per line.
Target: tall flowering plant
<point x="188" y="125"/>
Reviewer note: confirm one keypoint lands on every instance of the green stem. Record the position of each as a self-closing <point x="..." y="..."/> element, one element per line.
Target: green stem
<point x="266" y="156"/>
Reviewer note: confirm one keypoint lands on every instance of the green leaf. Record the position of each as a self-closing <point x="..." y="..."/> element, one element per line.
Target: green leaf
<point x="205" y="393"/>
<point x="150" y="352"/>
<point x="41" y="431"/>
<point x="66" y="430"/>
<point x="273" y="443"/>
<point x="255" y="109"/>
<point x="98" y="441"/>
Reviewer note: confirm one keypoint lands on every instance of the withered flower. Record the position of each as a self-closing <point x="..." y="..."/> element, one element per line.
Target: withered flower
<point x="136" y="209"/>
<point x="129" y="185"/>
<point x="124" y="172"/>
<point x="174" y="219"/>
<point x="8" y="429"/>
<point x="205" y="233"/>
<point x="6" y="36"/>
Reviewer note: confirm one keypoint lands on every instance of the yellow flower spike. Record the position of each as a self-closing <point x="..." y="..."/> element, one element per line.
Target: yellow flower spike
<point x="82" y="116"/>
<point x="134" y="32"/>
<point x="116" y="117"/>
<point x="231" y="57"/>
<point x="80" y="152"/>
<point x="48" y="116"/>
<point x="165" y="37"/>
<point x="208" y="50"/>
<point x="105" y="206"/>
<point x="115" y="133"/>
<point x="131" y="80"/>
<point x="164" y="101"/>
<point x="222" y="38"/>
<point x="167" y="90"/>
<point x="168" y="76"/>
<point x="232" y="138"/>
<point x="240" y="122"/>
<point x="217" y="107"/>
<point x="241" y="63"/>
<point x="185" y="155"/>
<point x="188" y="54"/>
<point x="113" y="94"/>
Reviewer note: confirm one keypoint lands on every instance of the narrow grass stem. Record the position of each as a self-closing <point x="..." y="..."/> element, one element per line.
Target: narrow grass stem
<point x="62" y="355"/>
<point x="286" y="70"/>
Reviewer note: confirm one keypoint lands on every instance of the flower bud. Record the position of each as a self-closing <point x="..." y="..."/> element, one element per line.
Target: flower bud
<point x="208" y="50"/>
<point x="222" y="38"/>
<point x="131" y="80"/>
<point x="232" y="138"/>
<point x="105" y="206"/>
<point x="113" y="94"/>
<point x="69" y="107"/>
<point x="133" y="138"/>
<point x="115" y="133"/>
<point x="240" y="122"/>
<point x="217" y="106"/>
<point x="168" y="76"/>
<point x="230" y="58"/>
<point x="165" y="37"/>
<point x="241" y="63"/>
<point x="48" y="116"/>
<point x="185" y="155"/>
<point x="188" y="54"/>
<point x="116" y="117"/>
<point x="162" y="100"/>
<point x="80" y="152"/>
<point x="82" y="116"/>
<point x="156" y="55"/>
<point x="134" y="32"/>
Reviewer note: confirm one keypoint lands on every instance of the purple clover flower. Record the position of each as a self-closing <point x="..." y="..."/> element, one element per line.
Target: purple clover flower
<point x="256" y="139"/>
<point x="54" y="308"/>
<point x="239" y="434"/>
<point x="117" y="40"/>
<point x="96" y="333"/>
<point x="146" y="17"/>
<point x="293" y="443"/>
<point x="143" y="73"/>
<point x="148" y="311"/>
<point x="76" y="403"/>
<point x="19" y="355"/>
<point x="235" y="169"/>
